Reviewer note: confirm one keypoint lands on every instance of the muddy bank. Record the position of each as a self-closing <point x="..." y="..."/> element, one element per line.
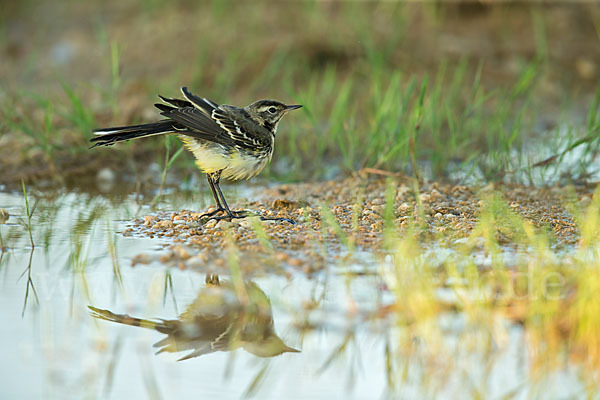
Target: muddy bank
<point x="335" y="216"/>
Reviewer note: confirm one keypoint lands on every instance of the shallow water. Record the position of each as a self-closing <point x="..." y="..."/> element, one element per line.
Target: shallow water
<point x="56" y="349"/>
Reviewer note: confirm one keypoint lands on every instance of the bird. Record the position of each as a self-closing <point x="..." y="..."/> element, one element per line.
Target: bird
<point x="223" y="317"/>
<point x="227" y="141"/>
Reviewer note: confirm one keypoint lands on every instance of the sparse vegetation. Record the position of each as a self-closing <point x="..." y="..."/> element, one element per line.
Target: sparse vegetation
<point x="419" y="253"/>
<point x="365" y="107"/>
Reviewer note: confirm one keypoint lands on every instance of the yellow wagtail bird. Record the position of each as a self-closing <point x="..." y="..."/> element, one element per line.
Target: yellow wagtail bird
<point x="227" y="141"/>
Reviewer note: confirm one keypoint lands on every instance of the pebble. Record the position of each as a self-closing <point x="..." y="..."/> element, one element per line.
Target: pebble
<point x="404" y="207"/>
<point x="105" y="175"/>
<point x="150" y="220"/>
<point x="141" y="259"/>
<point x="455" y="212"/>
<point x="181" y="252"/>
<point x="402" y="191"/>
<point x="424" y="197"/>
<point x="295" y="262"/>
<point x="210" y="224"/>
<point x="196" y="262"/>
<point x="378" y="209"/>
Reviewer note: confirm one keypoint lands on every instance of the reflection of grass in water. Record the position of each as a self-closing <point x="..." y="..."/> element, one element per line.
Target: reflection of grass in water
<point x="550" y="295"/>
<point x="28" y="268"/>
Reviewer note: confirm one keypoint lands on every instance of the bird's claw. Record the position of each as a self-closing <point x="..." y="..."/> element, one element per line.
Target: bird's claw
<point x="238" y="215"/>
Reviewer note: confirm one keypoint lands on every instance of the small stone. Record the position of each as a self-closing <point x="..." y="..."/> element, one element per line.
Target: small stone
<point x="165" y="224"/>
<point x="211" y="224"/>
<point x="378" y="209"/>
<point x="181" y="252"/>
<point x="140" y="259"/>
<point x="295" y="262"/>
<point x="404" y="207"/>
<point x="165" y="258"/>
<point x="401" y="191"/>
<point x="105" y="175"/>
<point x="195" y="262"/>
<point x="224" y="224"/>
<point x="149" y="220"/>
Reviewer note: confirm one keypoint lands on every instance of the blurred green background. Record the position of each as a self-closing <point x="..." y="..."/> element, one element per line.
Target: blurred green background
<point x="453" y="90"/>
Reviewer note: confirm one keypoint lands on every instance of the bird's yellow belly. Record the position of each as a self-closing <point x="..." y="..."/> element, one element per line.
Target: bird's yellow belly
<point x="211" y="157"/>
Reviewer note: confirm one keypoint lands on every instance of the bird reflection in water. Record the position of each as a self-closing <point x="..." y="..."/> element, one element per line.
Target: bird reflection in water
<point x="223" y="317"/>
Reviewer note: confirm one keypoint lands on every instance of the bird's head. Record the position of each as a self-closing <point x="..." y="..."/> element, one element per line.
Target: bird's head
<point x="268" y="113"/>
<point x="269" y="346"/>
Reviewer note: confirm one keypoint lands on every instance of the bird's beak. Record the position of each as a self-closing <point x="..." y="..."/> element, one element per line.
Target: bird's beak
<point x="290" y="349"/>
<point x="292" y="107"/>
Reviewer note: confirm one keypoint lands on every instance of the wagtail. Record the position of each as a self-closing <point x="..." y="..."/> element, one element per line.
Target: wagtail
<point x="227" y="141"/>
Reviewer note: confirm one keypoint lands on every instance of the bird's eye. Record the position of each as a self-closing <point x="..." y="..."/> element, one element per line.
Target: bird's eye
<point x="272" y="110"/>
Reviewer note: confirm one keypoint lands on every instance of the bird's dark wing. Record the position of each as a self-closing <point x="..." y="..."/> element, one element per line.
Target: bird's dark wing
<point x="221" y="126"/>
<point x="203" y="104"/>
<point x="234" y="121"/>
<point x="176" y="102"/>
<point x="242" y="131"/>
<point x="197" y="124"/>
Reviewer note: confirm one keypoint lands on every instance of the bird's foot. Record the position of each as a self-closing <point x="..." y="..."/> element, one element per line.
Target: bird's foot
<point x="209" y="215"/>
<point x="229" y="215"/>
<point x="241" y="214"/>
<point x="288" y="220"/>
<point x="246" y="213"/>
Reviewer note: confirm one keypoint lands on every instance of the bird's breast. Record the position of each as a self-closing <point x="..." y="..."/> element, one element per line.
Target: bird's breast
<point x="234" y="163"/>
<point x="245" y="165"/>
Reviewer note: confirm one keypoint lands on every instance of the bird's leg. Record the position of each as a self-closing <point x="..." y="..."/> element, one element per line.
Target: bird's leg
<point x="243" y="213"/>
<point x="230" y="214"/>
<point x="222" y="206"/>
<point x="209" y="178"/>
<point x="212" y="280"/>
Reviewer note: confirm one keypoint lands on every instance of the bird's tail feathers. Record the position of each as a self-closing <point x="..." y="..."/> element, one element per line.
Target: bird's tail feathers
<point x="109" y="136"/>
<point x="125" y="319"/>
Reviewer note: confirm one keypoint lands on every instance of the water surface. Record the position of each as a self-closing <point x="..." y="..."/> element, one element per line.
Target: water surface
<point x="56" y="349"/>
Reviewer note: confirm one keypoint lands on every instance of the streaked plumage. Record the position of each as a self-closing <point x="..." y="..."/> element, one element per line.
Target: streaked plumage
<point x="227" y="141"/>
